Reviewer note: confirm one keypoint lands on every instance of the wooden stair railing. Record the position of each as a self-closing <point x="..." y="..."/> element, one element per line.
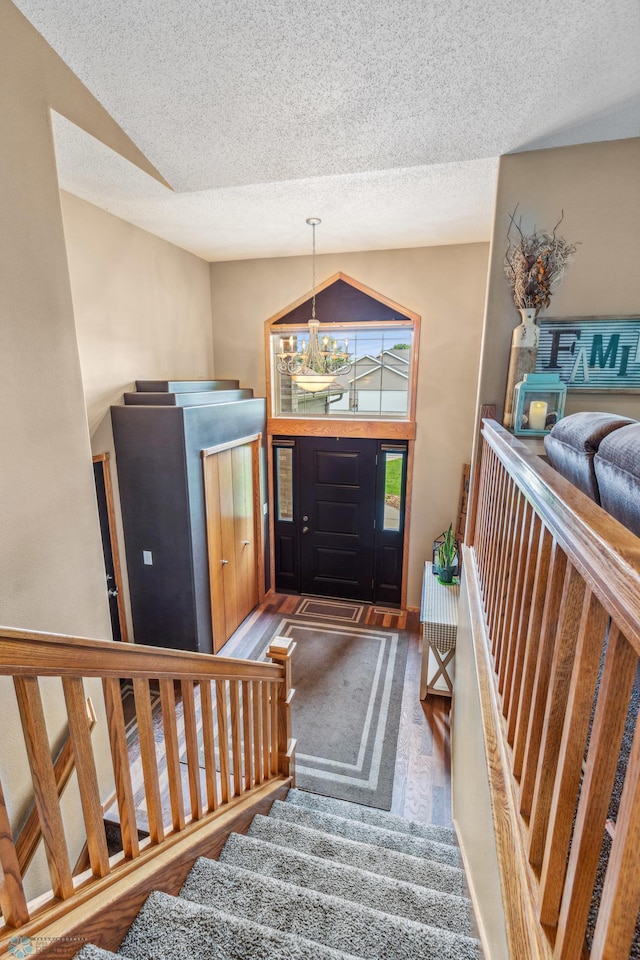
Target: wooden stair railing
<point x="235" y="721"/>
<point x="554" y="592"/>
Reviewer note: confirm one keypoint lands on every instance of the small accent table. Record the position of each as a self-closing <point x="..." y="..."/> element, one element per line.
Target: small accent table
<point x="439" y="618"/>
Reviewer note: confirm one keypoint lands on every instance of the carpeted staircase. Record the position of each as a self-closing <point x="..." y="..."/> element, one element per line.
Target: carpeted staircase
<point x="318" y="878"/>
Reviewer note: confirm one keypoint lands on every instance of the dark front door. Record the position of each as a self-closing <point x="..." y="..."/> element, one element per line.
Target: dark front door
<point x="337" y="506"/>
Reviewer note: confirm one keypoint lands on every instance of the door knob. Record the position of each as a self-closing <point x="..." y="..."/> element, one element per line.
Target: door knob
<point x="224" y="561"/>
<point x="305" y="518"/>
<point x="305" y="529"/>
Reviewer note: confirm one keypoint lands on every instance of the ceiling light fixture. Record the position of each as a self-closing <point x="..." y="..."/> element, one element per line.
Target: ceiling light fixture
<point x="315" y="366"/>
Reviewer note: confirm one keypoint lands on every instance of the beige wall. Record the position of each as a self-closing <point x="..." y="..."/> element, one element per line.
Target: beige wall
<point x="446" y="286"/>
<point x="51" y="566"/>
<point x="142" y="307"/>
<point x="598" y="187"/>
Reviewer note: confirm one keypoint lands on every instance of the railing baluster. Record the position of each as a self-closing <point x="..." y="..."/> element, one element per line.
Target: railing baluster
<point x="565" y="640"/>
<point x="44" y="785"/>
<point x="621" y="891"/>
<point x="144" y="717"/>
<point x="513" y="687"/>
<point x="13" y="902"/>
<point x="504" y="561"/>
<point x="170" y="728"/>
<point x="247" y="733"/>
<point x="534" y="633"/>
<point x="257" y="730"/>
<point x="223" y="739"/>
<point x="512" y="596"/>
<point x="602" y="759"/>
<point x="580" y="696"/>
<point x="80" y="737"/>
<point x="552" y="601"/>
<point x="274" y="728"/>
<point x="121" y="767"/>
<point x="266" y="730"/>
<point x="208" y="742"/>
<point x="234" y="696"/>
<point x="191" y="743"/>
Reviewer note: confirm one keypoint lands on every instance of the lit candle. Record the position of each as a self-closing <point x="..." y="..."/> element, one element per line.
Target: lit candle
<point x="537" y="415"/>
<point x="281" y="345"/>
<point x="291" y="344"/>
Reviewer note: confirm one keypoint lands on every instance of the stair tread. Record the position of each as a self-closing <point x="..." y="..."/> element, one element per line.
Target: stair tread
<point x="371" y="815"/>
<point x="320" y="917"/>
<point x="366" y="833"/>
<point x="176" y="929"/>
<point x="399" y="897"/>
<point x="380" y="860"/>
<point x="90" y="952"/>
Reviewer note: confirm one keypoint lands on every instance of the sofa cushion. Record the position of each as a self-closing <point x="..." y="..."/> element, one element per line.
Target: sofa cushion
<point x="573" y="443"/>
<point x="617" y="468"/>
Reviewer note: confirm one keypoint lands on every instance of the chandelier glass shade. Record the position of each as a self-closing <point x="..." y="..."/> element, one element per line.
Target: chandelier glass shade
<point x="320" y="359"/>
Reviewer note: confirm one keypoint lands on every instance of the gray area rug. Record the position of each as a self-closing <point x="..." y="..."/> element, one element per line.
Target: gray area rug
<point x="346" y="711"/>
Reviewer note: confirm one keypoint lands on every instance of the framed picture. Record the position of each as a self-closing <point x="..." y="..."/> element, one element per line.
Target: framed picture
<point x="591" y="353"/>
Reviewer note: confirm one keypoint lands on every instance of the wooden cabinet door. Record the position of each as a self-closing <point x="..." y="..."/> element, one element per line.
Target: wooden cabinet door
<point x="231" y="482"/>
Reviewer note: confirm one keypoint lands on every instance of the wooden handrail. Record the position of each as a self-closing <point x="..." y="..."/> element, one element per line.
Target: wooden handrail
<point x="54" y="655"/>
<point x="554" y="591"/>
<point x="234" y="714"/>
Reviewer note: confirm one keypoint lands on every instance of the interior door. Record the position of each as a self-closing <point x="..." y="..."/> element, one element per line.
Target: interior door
<point x="231" y="482"/>
<point x="337" y="500"/>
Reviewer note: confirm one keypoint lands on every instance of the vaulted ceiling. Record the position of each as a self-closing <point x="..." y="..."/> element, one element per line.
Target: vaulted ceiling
<point x="385" y="118"/>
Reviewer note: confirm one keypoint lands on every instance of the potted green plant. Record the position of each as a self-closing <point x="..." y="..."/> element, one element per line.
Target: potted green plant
<point x="447" y="556"/>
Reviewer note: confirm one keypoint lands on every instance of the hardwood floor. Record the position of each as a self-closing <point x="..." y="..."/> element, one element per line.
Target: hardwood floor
<point x="422" y="779"/>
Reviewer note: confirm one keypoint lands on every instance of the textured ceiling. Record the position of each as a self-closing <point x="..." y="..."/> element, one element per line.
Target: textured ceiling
<point x="383" y="118"/>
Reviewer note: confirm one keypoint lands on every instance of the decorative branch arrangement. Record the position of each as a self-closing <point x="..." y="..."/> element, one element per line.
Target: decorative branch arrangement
<point x="535" y="264"/>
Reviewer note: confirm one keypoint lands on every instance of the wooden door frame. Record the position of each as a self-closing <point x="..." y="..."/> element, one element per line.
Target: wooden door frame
<point x="105" y="460"/>
<point x="255" y="442"/>
<point x="379" y="429"/>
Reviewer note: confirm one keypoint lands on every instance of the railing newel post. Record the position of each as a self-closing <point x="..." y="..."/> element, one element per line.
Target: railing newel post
<point x="280" y="651"/>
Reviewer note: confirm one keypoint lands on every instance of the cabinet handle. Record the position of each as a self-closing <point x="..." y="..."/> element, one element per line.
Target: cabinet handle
<point x="224" y="561"/>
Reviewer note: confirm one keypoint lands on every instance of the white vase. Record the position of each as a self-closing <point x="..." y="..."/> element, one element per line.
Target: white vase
<point x="523" y="356"/>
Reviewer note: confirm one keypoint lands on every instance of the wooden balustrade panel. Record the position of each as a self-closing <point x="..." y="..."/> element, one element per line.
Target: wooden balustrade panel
<point x="580" y="697"/>
<point x="514" y="684"/>
<point x="12" y="899"/>
<point x="575" y="601"/>
<point x="616" y="684"/>
<point x="187" y="689"/>
<point x="44" y="785"/>
<point x="172" y="753"/>
<point x="247" y="734"/>
<point x="144" y="719"/>
<point x="85" y="766"/>
<point x="121" y="768"/>
<point x="223" y="739"/>
<point x="208" y="744"/>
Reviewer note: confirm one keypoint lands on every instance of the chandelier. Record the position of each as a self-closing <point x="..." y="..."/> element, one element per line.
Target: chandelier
<point x="320" y="360"/>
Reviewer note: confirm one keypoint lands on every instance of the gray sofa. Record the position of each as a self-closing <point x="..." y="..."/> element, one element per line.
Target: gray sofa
<point x="600" y="454"/>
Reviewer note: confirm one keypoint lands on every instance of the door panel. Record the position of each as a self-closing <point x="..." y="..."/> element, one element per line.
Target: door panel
<point x="231" y="482"/>
<point x="337" y="481"/>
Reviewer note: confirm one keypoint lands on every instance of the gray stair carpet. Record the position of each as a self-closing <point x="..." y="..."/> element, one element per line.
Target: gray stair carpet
<point x="317" y="879"/>
<point x="351" y="883"/>
<point x="366" y="833"/>
<point x="389" y="863"/>
<point x="372" y="816"/>
<point x="170" y="928"/>
<point x="320" y="917"/>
